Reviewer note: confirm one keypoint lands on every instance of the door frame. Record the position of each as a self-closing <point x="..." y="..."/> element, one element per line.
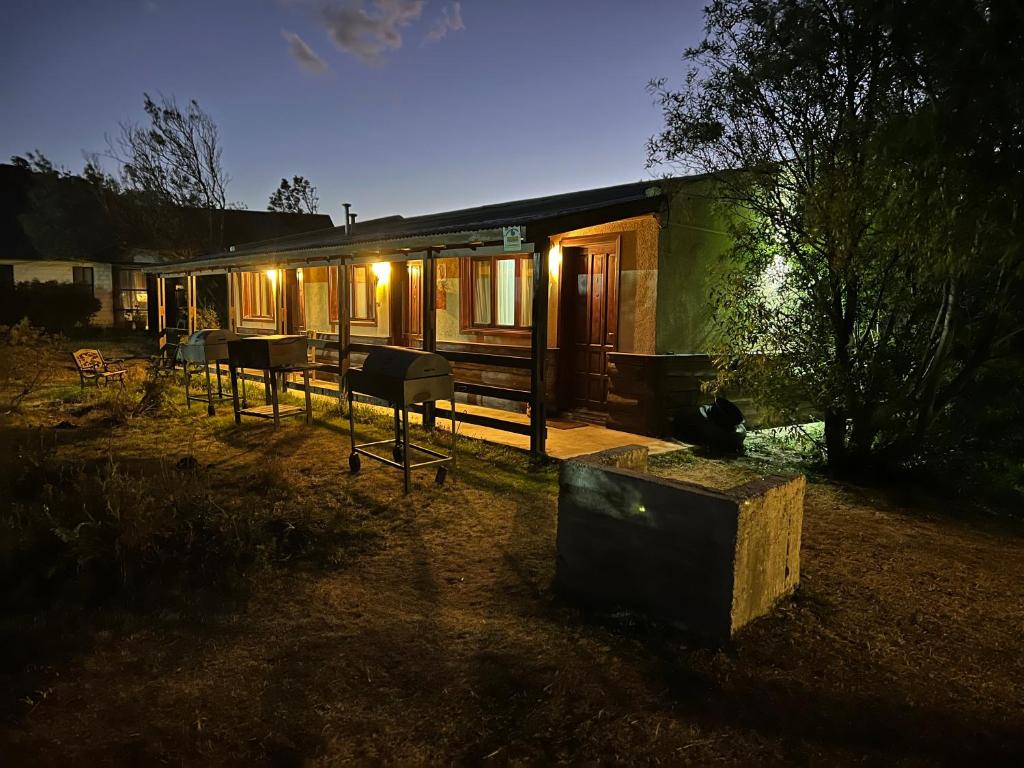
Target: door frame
<point x="566" y="303"/>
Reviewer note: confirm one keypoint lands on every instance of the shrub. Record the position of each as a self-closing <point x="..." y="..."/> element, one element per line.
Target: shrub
<point x="55" y="307"/>
<point x="25" y="363"/>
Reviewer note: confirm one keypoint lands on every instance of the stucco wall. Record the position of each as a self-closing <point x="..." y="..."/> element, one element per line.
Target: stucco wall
<point x="692" y="241"/>
<point x="62" y="272"/>
<point x="638" y="278"/>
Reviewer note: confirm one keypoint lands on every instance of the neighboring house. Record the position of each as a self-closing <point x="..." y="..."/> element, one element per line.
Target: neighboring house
<point x="617" y="277"/>
<point x="114" y="275"/>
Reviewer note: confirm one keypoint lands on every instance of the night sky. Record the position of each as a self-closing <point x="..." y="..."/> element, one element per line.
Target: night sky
<point x="394" y="105"/>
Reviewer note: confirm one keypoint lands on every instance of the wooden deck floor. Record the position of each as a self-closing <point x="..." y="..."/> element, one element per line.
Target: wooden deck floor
<point x="564" y="440"/>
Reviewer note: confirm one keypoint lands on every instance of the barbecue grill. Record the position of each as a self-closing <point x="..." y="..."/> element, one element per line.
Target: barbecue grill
<point x="275" y="355"/>
<point x="402" y="377"/>
<point x="209" y="345"/>
<point x="266" y="352"/>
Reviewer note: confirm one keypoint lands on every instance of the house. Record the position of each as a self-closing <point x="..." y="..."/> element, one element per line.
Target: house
<point x="592" y="302"/>
<point x="107" y="266"/>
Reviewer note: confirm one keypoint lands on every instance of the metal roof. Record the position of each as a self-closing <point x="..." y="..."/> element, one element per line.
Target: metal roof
<point x="480" y="223"/>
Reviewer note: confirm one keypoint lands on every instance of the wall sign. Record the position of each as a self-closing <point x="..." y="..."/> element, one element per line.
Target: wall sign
<point x="513" y="237"/>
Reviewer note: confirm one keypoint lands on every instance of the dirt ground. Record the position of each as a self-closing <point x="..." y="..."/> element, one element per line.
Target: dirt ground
<point x="432" y="636"/>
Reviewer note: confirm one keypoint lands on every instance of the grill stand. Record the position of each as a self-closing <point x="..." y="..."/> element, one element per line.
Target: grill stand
<point x="198" y="369"/>
<point x="273" y="410"/>
<point x="402" y="447"/>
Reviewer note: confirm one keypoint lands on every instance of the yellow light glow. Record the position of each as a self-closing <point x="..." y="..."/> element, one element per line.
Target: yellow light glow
<point x="382" y="271"/>
<point x="272" y="276"/>
<point x="554" y="260"/>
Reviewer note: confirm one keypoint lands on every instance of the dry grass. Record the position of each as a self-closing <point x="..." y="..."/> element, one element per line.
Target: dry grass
<point x="427" y="632"/>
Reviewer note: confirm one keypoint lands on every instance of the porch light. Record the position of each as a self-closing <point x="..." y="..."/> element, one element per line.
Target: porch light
<point x="272" y="276"/>
<point x="554" y="260"/>
<point x="382" y="271"/>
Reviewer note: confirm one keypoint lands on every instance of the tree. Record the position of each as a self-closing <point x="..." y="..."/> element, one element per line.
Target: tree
<point x="297" y="196"/>
<point x="69" y="215"/>
<point x="872" y="266"/>
<point x="174" y="163"/>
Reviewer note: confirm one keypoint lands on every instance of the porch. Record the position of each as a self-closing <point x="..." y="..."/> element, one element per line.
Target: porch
<point x="483" y="287"/>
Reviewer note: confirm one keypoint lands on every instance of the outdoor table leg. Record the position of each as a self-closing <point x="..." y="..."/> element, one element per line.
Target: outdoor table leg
<point x="273" y="399"/>
<point x="220" y="392"/>
<point x="233" y="372"/>
<point x="188" y="394"/>
<point x="405" y="451"/>
<point x="309" y="398"/>
<point x="267" y="376"/>
<point x="209" y="392"/>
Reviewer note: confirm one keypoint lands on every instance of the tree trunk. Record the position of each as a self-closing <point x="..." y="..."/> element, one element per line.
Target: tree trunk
<point x="835" y="438"/>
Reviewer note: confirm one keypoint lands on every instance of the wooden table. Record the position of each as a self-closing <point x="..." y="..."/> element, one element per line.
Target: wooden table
<point x="273" y="410"/>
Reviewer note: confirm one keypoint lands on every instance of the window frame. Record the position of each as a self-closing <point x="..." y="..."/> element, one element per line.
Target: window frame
<point x="250" y="292"/>
<point x="467" y="295"/>
<point x="371" y="295"/>
<point x="131" y="309"/>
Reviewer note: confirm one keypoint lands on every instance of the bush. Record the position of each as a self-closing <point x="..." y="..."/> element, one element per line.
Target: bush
<point x="25" y="363"/>
<point x="52" y="306"/>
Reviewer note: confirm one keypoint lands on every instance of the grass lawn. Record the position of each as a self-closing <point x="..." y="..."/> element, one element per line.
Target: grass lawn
<point x="235" y="596"/>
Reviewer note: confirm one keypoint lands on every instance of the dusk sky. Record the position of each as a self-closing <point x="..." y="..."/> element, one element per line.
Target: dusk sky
<point x="396" y="106"/>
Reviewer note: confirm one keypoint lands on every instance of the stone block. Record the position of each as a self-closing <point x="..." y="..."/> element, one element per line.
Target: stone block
<point x="706" y="560"/>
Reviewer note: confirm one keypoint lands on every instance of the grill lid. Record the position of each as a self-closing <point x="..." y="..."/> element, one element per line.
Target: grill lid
<point x="212" y="336"/>
<point x="403" y="363"/>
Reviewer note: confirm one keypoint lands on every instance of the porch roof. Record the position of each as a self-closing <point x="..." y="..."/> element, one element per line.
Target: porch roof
<point x="450" y="229"/>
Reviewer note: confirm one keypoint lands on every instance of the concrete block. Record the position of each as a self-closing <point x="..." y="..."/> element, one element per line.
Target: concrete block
<point x="706" y="560"/>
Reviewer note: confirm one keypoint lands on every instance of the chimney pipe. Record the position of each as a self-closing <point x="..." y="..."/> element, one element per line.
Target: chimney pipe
<point x="348" y="217"/>
<point x="351" y="222"/>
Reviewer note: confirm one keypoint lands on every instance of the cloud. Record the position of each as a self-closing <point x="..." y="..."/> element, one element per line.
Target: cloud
<point x="450" y="20"/>
<point x="368" y="34"/>
<point x="302" y="53"/>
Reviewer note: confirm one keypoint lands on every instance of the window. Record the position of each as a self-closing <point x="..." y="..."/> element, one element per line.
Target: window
<point x="498" y="293"/>
<point x="83" y="276"/>
<point x="362" y="295"/>
<point x="414" y="307"/>
<point x="131" y="300"/>
<point x="257" y="296"/>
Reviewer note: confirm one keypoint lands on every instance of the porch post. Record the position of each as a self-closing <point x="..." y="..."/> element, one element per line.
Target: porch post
<point x="539" y="346"/>
<point x="281" y="300"/>
<point x="344" y="330"/>
<point x="232" y="298"/>
<point x="428" y="299"/>
<point x="161" y="312"/>
<point x="191" y="299"/>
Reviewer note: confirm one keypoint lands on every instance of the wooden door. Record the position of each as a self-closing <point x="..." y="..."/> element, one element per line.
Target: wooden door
<point x="591" y="314"/>
<point x="295" y="296"/>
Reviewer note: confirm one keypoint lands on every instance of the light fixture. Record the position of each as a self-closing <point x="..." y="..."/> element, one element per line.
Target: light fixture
<point x="272" y="276"/>
<point x="554" y="259"/>
<point x="382" y="271"/>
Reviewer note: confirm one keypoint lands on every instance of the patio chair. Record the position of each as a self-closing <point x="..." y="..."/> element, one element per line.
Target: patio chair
<point x="165" y="363"/>
<point x="93" y="368"/>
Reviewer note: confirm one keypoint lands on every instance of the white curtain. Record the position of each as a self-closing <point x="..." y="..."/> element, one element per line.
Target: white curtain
<point x="506" y="293"/>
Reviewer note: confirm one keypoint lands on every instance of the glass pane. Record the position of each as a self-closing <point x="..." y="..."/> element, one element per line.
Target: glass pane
<point x="506" y="293"/>
<point x="360" y="308"/>
<point x="525" y="308"/>
<point x="415" y="319"/>
<point x="481" y="292"/>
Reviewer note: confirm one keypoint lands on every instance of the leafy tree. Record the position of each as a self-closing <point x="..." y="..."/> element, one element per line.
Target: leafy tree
<point x="296" y="196"/>
<point x="68" y="215"/>
<point x="174" y="163"/>
<point x="875" y="261"/>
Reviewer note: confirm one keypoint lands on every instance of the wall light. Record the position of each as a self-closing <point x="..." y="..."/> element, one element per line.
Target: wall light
<point x="554" y="260"/>
<point x="382" y="271"/>
<point x="272" y="276"/>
